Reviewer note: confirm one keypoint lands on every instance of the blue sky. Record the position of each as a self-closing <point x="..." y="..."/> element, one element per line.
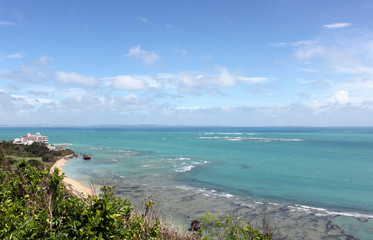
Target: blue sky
<point x="235" y="63"/>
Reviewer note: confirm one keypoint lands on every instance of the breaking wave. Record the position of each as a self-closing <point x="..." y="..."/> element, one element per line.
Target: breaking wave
<point x="254" y="139"/>
<point x="303" y="208"/>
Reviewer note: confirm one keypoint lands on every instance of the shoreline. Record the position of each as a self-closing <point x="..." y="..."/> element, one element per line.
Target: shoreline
<point x="74" y="186"/>
<point x="286" y="220"/>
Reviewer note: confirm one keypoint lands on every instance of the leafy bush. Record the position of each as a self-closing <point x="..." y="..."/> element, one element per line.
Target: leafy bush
<point x="35" y="205"/>
<point x="47" y="158"/>
<point x="35" y="163"/>
<point x="2" y="157"/>
<point x="229" y="228"/>
<point x="1" y="154"/>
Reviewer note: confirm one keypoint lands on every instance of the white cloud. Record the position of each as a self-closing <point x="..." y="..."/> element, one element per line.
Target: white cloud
<point x="14" y="55"/>
<point x="76" y="79"/>
<point x="339" y="54"/>
<point x="133" y="109"/>
<point x="188" y="108"/>
<point x="6" y="23"/>
<point x="337" y="25"/>
<point x="142" y="19"/>
<point x="279" y="44"/>
<point x="127" y="82"/>
<point x="302" y="43"/>
<point x="187" y="81"/>
<point x="341" y="96"/>
<point x="130" y="102"/>
<point x="180" y="51"/>
<point x="207" y="57"/>
<point x="44" y="60"/>
<point x="225" y="79"/>
<point x="184" y="82"/>
<point x="314" y="114"/>
<point x="12" y="107"/>
<point x="254" y="79"/>
<point x="147" y="57"/>
<point x="34" y="71"/>
<point x="359" y="84"/>
<point x="306" y="53"/>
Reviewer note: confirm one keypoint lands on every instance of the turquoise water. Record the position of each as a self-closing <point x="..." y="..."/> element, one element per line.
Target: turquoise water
<point x="324" y="171"/>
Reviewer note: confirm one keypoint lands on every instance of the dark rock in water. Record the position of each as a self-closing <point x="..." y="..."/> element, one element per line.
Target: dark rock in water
<point x="86" y="157"/>
<point x="284" y="208"/>
<point x="245" y="167"/>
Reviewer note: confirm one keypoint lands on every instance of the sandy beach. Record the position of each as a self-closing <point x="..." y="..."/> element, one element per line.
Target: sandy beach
<point x="76" y="187"/>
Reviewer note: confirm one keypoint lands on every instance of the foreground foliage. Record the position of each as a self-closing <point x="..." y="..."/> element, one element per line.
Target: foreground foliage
<point x="230" y="228"/>
<point x="35" y="205"/>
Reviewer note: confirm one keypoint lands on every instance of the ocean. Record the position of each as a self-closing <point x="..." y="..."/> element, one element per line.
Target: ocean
<point x="311" y="183"/>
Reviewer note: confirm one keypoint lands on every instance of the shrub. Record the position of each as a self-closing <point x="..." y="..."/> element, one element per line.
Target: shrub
<point x="47" y="158"/>
<point x="2" y="158"/>
<point x="34" y="205"/>
<point x="35" y="163"/>
<point x="230" y="228"/>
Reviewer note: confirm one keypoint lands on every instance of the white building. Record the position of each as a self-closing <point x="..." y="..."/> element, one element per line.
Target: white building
<point x="29" y="139"/>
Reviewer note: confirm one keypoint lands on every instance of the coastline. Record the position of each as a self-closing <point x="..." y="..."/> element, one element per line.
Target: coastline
<point x="152" y="172"/>
<point x="74" y="186"/>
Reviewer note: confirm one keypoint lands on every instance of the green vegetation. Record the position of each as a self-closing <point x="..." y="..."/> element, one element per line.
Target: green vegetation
<point x="230" y="228"/>
<point x="35" y="205"/>
<point x="16" y="153"/>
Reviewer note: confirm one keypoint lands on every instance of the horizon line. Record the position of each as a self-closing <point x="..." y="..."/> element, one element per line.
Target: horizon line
<point x="176" y="125"/>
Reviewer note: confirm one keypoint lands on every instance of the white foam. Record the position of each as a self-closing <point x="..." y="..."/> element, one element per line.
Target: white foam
<point x="233" y="133"/>
<point x="227" y="195"/>
<point x="96" y="148"/>
<point x="228" y="133"/>
<point x="235" y="139"/>
<point x="213" y="137"/>
<point x="185" y="169"/>
<point x="255" y="139"/>
<point x="206" y="192"/>
<point x="186" y="188"/>
<point x="325" y="212"/>
<point x="295" y="208"/>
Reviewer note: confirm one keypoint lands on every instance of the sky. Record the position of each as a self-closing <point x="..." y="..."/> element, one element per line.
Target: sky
<point x="186" y="62"/>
